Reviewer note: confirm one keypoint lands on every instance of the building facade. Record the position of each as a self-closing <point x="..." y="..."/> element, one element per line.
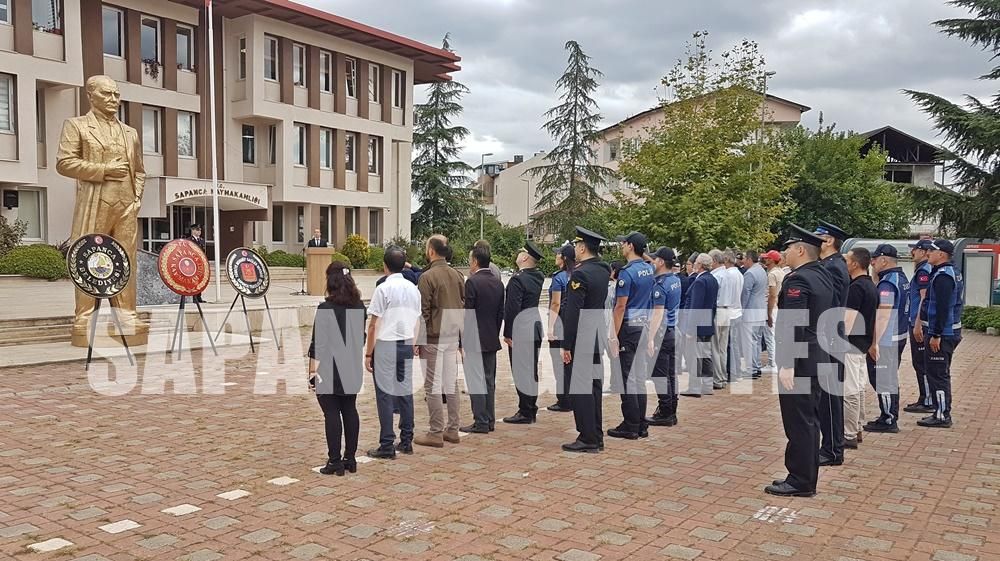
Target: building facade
<point x="313" y="123"/>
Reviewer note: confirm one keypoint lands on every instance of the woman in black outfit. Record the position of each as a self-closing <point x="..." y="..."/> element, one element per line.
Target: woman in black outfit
<point x="336" y="375"/>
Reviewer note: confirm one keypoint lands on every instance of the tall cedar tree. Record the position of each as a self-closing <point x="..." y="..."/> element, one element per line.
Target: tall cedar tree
<point x="707" y="175"/>
<point x="973" y="132"/>
<point x="569" y="183"/>
<point x="439" y="177"/>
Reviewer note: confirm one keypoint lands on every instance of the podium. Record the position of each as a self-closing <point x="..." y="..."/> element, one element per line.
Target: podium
<point x="317" y="260"/>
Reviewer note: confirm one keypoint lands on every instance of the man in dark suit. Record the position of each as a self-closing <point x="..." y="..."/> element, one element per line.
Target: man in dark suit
<point x="831" y="407"/>
<point x="697" y="321"/>
<point x="194" y="234"/>
<point x="317" y="239"/>
<point x="523" y="291"/>
<point x="484" y="295"/>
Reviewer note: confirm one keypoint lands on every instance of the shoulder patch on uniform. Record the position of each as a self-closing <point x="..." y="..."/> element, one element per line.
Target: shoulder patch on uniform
<point x="794" y="292"/>
<point x="621" y="282"/>
<point x="574" y="285"/>
<point x="656" y="294"/>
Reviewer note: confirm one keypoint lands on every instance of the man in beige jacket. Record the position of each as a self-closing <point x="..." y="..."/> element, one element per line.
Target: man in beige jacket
<point x="104" y="155"/>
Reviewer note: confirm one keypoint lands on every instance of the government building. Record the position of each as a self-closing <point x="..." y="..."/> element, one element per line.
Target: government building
<point x="314" y="116"/>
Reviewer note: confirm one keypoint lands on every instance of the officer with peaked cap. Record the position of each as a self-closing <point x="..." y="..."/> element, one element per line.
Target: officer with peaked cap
<point x="585" y="332"/>
<point x="521" y="310"/>
<point x="806" y="293"/>
<point x="832" y="404"/>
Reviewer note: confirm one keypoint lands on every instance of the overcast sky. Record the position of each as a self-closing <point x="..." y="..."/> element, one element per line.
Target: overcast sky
<point x="846" y="58"/>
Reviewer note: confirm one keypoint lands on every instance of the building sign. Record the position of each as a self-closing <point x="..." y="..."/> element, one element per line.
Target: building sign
<point x="246" y="195"/>
<point x="247" y="272"/>
<point x="98" y="265"/>
<point x="183" y="267"/>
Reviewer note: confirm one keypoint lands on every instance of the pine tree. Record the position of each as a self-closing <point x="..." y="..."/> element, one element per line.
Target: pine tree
<point x="439" y="177"/>
<point x="973" y="132"/>
<point x="569" y="182"/>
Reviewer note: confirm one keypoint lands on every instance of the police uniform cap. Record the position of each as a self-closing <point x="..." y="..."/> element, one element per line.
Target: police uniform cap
<point x="943" y="245"/>
<point x="533" y="250"/>
<point x="566" y="251"/>
<point x="194" y="227"/>
<point x="638" y="240"/>
<point x="923" y="244"/>
<point x="825" y="228"/>
<point x="588" y="236"/>
<point x="885" y="250"/>
<point x="666" y="254"/>
<point x="798" y="234"/>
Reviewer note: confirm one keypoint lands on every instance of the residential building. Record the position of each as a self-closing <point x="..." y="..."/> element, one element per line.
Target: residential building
<point x="314" y="116"/>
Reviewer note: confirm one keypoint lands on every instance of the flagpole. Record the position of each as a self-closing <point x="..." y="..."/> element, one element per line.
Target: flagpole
<point x="212" y="151"/>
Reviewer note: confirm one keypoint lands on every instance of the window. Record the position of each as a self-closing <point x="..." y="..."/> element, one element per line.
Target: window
<point x="29" y="210"/>
<point x="373" y="154"/>
<point x="150" y="39"/>
<point x="298" y="65"/>
<point x="151" y="130"/>
<point x="300" y="224"/>
<point x="249" y="144"/>
<point x="114" y="39"/>
<point x="185" y="134"/>
<point x="272" y="144"/>
<point x="326" y="71"/>
<point x="324" y="221"/>
<point x="899" y="175"/>
<point x="375" y="83"/>
<point x="6" y="103"/>
<point x="277" y="224"/>
<point x="326" y="148"/>
<point x="352" y="74"/>
<point x="241" y="71"/>
<point x="350" y="152"/>
<point x="121" y="112"/>
<point x="614" y="147"/>
<point x="270" y="58"/>
<point x="40" y="116"/>
<point x="351" y="220"/>
<point x="46" y="15"/>
<point x="397" y="89"/>
<point x="375" y="227"/>
<point x="299" y="145"/>
<point x="185" y="48"/>
<point x="5" y="11"/>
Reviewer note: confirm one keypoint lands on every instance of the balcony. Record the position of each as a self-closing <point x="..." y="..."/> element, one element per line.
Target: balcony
<point x="49" y="43"/>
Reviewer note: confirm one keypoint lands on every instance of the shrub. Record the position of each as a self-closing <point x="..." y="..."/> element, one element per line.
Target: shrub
<point x="36" y="261"/>
<point x="979" y="319"/>
<point x="342" y="258"/>
<point x="279" y="258"/>
<point x="356" y="249"/>
<point x="375" y="257"/>
<point x="11" y="234"/>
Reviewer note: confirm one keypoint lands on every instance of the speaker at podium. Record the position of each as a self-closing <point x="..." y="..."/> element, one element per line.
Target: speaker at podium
<point x="317" y="260"/>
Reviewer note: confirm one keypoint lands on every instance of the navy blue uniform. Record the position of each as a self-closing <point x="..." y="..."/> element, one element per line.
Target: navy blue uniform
<point x="697" y="323"/>
<point x="893" y="293"/>
<point x="635" y="283"/>
<point x="523" y="292"/>
<point x="831" y="409"/>
<point x="666" y="295"/>
<point x="941" y="315"/>
<point x="559" y="284"/>
<point x="921" y="278"/>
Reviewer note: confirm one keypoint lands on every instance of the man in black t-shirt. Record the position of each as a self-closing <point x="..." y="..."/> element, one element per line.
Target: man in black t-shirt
<point x="859" y="324"/>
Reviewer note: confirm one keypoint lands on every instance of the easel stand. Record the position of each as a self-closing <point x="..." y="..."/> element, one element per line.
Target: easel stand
<point x="93" y="332"/>
<point x="243" y="301"/>
<point x="178" y="337"/>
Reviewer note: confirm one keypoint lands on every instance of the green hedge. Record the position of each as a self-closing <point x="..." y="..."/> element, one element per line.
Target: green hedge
<point x="375" y="257"/>
<point x="279" y="258"/>
<point x="36" y="261"/>
<point x="342" y="258"/>
<point x="979" y="319"/>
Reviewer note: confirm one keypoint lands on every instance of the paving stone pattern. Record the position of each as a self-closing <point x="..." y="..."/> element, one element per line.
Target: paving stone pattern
<point x="73" y="461"/>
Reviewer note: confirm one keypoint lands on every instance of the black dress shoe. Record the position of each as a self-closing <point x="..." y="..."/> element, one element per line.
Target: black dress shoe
<point x="644" y="432"/>
<point x="493" y="428"/>
<point x="581" y="447"/>
<point x="519" y="419"/>
<point x="351" y="465"/>
<point x="620" y="433"/>
<point x="825" y="460"/>
<point x="475" y="429"/>
<point x="934" y="422"/>
<point x="850" y="443"/>
<point x="779" y="482"/>
<point x="333" y="468"/>
<point x="382" y="454"/>
<point x="667" y="421"/>
<point x="879" y="426"/>
<point x="691" y="394"/>
<point x="404" y="448"/>
<point x="785" y="489"/>
<point x="918" y="407"/>
<point x="559" y="408"/>
<point x="756" y="374"/>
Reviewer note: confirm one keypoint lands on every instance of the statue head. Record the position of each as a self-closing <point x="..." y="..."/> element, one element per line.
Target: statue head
<point x="102" y="91"/>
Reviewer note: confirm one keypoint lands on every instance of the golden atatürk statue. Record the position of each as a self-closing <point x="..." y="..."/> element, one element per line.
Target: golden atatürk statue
<point x="104" y="155"/>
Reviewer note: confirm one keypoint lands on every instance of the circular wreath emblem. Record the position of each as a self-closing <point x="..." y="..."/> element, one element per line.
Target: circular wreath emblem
<point x="98" y="265"/>
<point x="183" y="267"/>
<point x="248" y="272"/>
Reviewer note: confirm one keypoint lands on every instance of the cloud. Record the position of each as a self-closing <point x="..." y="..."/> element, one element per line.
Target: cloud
<point x="846" y="58"/>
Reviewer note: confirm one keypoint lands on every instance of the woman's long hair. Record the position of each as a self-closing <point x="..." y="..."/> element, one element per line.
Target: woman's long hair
<point x="340" y="287"/>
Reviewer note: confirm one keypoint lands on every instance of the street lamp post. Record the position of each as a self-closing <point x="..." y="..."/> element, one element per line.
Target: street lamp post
<point x="482" y="210"/>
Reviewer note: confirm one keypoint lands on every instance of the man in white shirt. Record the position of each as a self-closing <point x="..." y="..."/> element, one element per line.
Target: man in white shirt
<point x="729" y="309"/>
<point x="736" y="350"/>
<point x="395" y="313"/>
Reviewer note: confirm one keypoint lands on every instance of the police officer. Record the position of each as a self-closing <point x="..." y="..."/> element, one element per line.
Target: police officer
<point x="941" y="318"/>
<point x="194" y="234"/>
<point x="523" y="292"/>
<point x="584" y="334"/>
<point x="630" y="319"/>
<point x="831" y="408"/>
<point x="566" y="261"/>
<point x="661" y="345"/>
<point x="918" y="291"/>
<point x="891" y="328"/>
<point x="807" y="290"/>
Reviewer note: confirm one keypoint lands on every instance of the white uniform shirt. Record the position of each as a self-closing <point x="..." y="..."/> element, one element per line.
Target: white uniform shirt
<point x="396" y="304"/>
<point x="730" y="291"/>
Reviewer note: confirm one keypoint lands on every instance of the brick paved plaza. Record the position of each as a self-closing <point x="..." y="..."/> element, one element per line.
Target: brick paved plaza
<point x="205" y="477"/>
